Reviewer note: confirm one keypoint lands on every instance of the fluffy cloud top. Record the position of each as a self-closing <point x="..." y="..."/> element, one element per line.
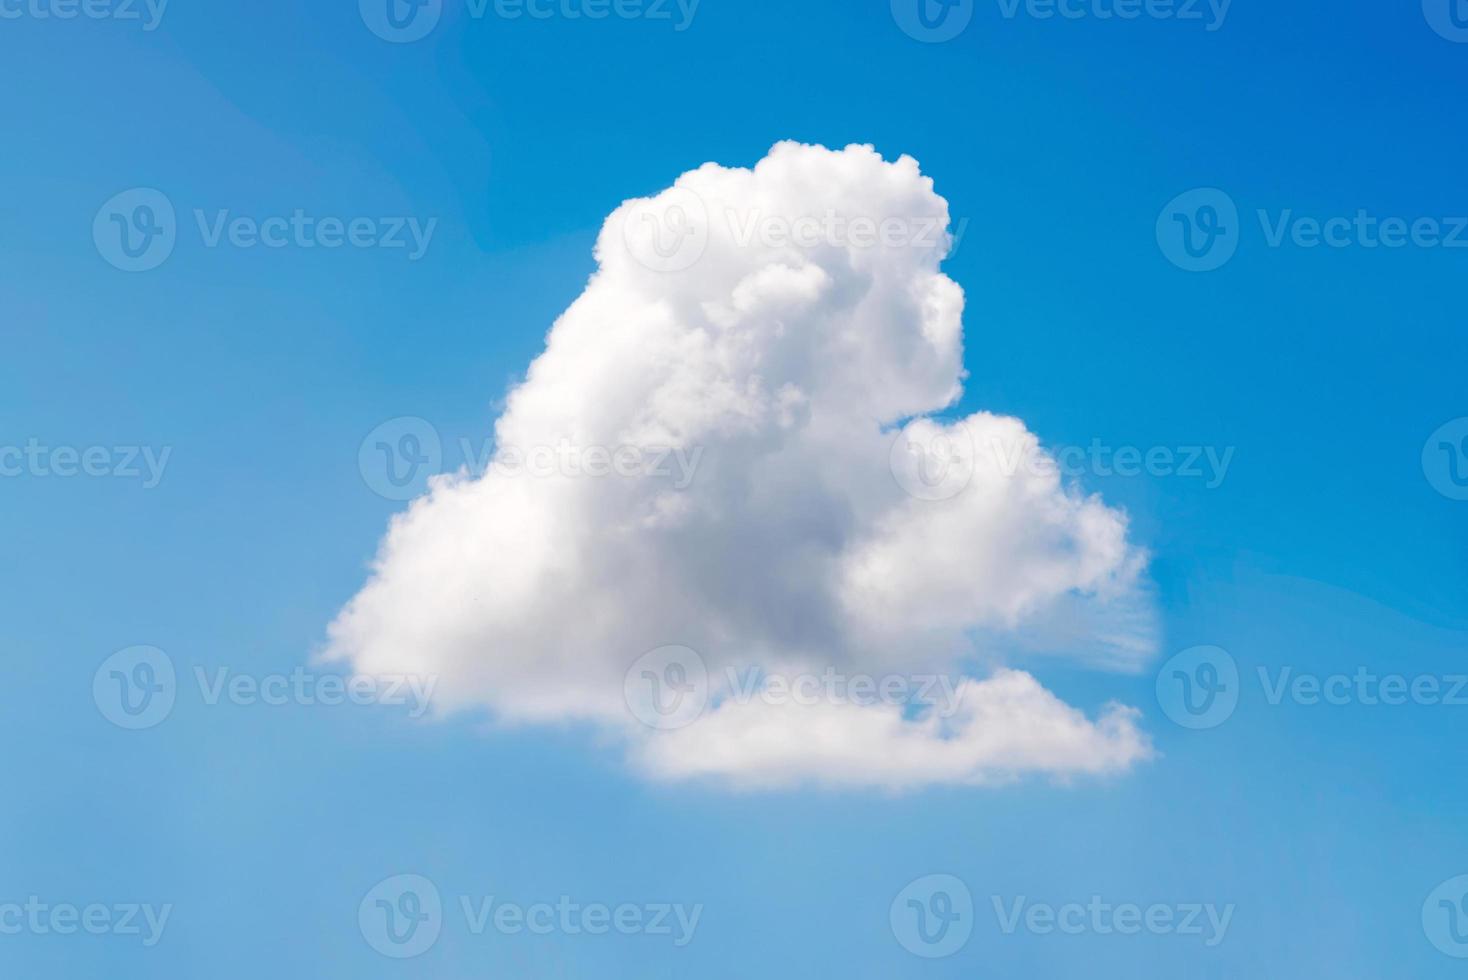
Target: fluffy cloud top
<point x="776" y="328"/>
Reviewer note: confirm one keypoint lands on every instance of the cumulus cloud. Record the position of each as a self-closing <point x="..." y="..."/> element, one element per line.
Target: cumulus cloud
<point x="1001" y="728"/>
<point x="740" y="405"/>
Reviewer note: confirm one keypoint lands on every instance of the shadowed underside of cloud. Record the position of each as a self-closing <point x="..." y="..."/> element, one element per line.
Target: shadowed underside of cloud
<point x="803" y="540"/>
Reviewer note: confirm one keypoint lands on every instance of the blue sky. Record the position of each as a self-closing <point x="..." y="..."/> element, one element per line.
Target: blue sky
<point x="1328" y="547"/>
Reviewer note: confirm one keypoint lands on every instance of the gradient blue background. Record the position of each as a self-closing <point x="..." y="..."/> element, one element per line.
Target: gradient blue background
<point x="1325" y="549"/>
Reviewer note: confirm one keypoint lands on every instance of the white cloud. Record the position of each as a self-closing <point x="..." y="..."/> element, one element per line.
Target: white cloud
<point x="1004" y="727"/>
<point x="812" y="533"/>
